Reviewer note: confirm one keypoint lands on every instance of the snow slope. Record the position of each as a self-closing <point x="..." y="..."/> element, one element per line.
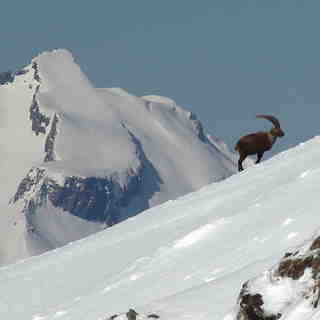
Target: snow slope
<point x="75" y="159"/>
<point x="184" y="259"/>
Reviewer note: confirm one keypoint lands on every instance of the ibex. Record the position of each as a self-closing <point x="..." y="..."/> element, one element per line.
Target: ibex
<point x="258" y="142"/>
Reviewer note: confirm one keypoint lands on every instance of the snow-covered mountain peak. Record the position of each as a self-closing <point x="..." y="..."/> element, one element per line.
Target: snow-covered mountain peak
<point x="85" y="119"/>
<point x="81" y="158"/>
<point x="53" y="66"/>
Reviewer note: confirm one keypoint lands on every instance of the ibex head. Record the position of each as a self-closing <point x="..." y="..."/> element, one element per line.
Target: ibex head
<point x="276" y="131"/>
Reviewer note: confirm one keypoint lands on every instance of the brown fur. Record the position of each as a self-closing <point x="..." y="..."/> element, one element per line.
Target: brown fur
<point x="258" y="142"/>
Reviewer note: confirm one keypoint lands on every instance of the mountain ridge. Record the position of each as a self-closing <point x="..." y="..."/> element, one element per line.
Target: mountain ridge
<point x="93" y="156"/>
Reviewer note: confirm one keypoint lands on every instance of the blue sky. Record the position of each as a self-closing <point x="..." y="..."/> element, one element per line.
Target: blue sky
<point x="225" y="60"/>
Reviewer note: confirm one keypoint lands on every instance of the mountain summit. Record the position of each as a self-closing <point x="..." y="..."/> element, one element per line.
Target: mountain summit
<point x="76" y="159"/>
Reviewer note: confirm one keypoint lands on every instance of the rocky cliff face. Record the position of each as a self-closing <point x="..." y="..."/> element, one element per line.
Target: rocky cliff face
<point x="98" y="199"/>
<point x="91" y="198"/>
<point x="292" y="284"/>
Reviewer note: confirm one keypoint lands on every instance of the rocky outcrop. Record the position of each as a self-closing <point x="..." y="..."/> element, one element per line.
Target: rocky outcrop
<point x="298" y="270"/>
<point x="39" y="120"/>
<point x="6" y="77"/>
<point x="197" y="127"/>
<point x="36" y="75"/>
<point x="294" y="265"/>
<point x="49" y="144"/>
<point x="133" y="315"/>
<point x="251" y="306"/>
<point x="92" y="198"/>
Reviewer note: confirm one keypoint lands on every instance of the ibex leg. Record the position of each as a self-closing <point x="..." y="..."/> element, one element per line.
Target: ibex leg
<point x="259" y="157"/>
<point x="242" y="157"/>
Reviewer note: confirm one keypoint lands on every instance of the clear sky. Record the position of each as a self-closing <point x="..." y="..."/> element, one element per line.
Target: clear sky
<point x="225" y="60"/>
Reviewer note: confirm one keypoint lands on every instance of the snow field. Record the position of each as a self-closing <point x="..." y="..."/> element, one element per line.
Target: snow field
<point x="183" y="259"/>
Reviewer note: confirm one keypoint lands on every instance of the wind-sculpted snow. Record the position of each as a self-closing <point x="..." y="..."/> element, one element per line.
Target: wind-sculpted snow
<point x="78" y="156"/>
<point x="189" y="258"/>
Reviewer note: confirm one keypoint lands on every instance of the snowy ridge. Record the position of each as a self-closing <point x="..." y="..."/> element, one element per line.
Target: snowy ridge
<point x="78" y="159"/>
<point x="187" y="258"/>
<point x="86" y="120"/>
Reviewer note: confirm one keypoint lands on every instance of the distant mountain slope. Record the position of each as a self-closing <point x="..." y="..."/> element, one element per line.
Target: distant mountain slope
<point x="75" y="159"/>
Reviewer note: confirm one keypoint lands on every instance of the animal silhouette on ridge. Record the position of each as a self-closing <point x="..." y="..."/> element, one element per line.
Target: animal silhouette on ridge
<point x="258" y="142"/>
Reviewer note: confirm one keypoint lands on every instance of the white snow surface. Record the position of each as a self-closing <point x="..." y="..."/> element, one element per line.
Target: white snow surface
<point x="99" y="134"/>
<point x="184" y="259"/>
<point x="88" y="124"/>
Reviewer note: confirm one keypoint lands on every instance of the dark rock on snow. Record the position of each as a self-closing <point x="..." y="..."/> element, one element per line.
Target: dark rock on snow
<point x="292" y="266"/>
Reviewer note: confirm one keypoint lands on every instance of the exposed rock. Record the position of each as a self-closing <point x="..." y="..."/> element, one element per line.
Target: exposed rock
<point x="198" y="128"/>
<point x="251" y="306"/>
<point x="49" y="144"/>
<point x="92" y="198"/>
<point x="302" y="266"/>
<point x="9" y="76"/>
<point x="315" y="244"/>
<point x="133" y="315"/>
<point x="6" y="77"/>
<point x="29" y="184"/>
<point x="36" y="72"/>
<point x="39" y="120"/>
<point x="294" y="267"/>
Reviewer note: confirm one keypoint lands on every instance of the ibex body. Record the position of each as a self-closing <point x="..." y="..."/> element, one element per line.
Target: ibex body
<point x="258" y="142"/>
